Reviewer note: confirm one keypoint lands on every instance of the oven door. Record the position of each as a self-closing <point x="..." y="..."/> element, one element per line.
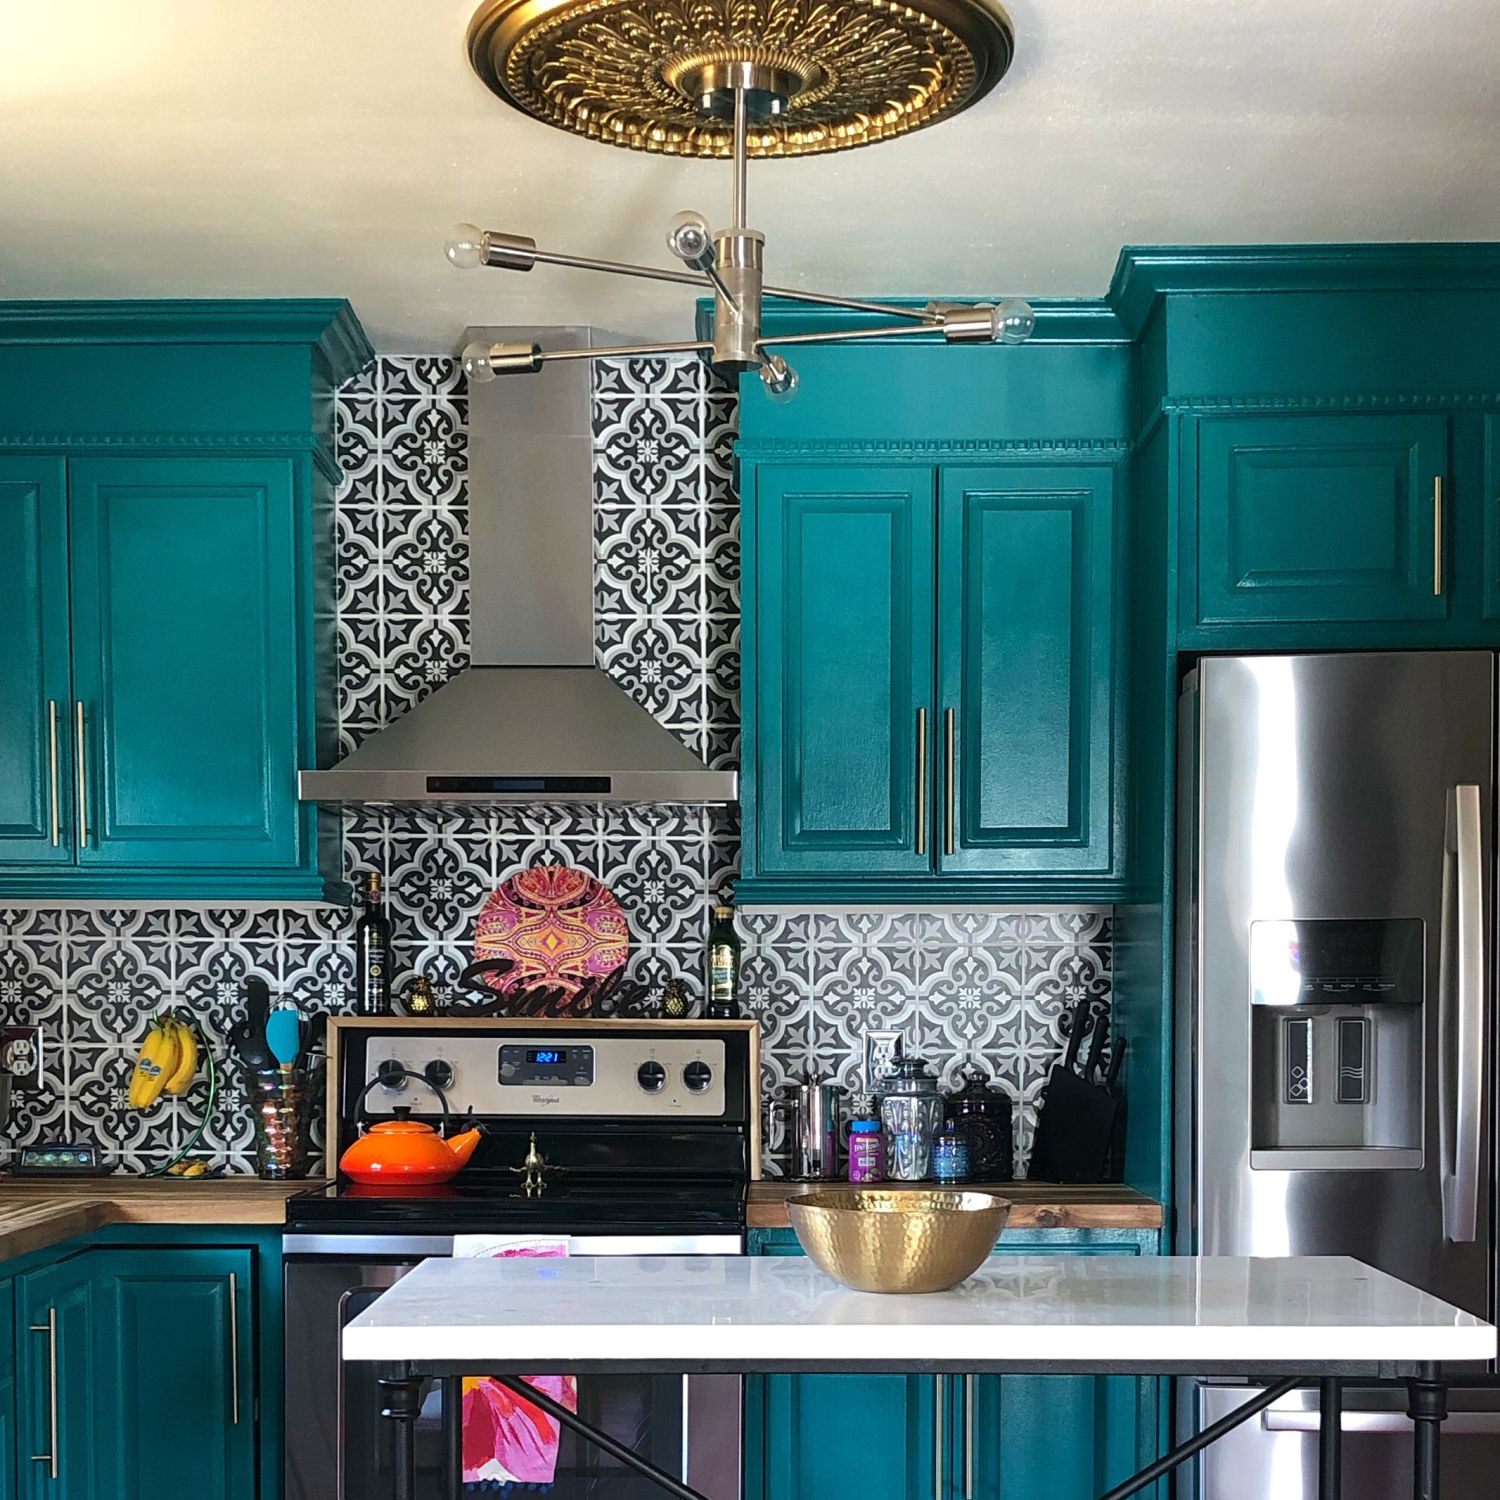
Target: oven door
<point x="338" y="1445"/>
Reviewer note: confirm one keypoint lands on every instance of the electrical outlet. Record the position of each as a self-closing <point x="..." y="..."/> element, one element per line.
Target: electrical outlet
<point x="21" y="1055"/>
<point x="883" y="1051"/>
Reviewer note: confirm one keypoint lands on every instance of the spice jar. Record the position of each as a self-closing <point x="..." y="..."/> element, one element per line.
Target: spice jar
<point x="866" y="1142"/>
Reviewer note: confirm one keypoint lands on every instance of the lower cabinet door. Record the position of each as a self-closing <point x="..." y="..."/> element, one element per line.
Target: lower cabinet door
<point x="62" y="1434"/>
<point x="849" y="1437"/>
<point x="1065" y="1437"/>
<point x="137" y="1376"/>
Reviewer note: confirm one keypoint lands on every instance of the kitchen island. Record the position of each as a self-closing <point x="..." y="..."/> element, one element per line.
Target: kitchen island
<point x="1287" y="1322"/>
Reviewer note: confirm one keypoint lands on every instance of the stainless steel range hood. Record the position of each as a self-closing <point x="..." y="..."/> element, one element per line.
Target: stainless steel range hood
<point x="533" y="719"/>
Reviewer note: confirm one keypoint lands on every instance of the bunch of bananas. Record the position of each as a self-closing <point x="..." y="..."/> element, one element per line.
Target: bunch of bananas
<point x="168" y="1061"/>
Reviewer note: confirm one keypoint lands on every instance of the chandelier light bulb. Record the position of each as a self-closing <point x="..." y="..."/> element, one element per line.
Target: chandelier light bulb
<point x="778" y="378"/>
<point x="465" y="248"/>
<point x="1015" y="321"/>
<point x="476" y="361"/>
<point x="690" y="240"/>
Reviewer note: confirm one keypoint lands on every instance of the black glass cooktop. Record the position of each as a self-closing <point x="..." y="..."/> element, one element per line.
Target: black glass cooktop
<point x="486" y="1203"/>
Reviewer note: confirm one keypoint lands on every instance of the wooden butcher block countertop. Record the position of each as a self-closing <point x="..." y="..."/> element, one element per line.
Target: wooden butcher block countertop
<point x="37" y="1212"/>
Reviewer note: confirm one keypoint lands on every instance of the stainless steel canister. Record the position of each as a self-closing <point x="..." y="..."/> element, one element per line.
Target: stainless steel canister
<point x="910" y="1112"/>
<point x="816" y="1132"/>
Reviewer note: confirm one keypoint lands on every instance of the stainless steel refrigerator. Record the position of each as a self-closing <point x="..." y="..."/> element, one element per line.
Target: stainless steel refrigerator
<point x="1335" y="1028"/>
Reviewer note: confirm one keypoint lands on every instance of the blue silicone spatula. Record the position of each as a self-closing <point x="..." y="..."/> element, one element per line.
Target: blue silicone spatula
<point x="284" y="1035"/>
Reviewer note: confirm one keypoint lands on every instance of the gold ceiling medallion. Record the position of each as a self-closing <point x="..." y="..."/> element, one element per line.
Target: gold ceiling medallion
<point x="735" y="78"/>
<point x="851" y="72"/>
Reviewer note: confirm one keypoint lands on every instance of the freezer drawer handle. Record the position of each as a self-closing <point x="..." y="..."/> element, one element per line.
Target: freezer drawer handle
<point x="1457" y="1424"/>
<point x="1461" y="978"/>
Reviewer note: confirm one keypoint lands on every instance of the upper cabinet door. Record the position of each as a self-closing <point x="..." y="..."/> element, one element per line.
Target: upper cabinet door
<point x="185" y="658"/>
<point x="36" y="824"/>
<point x="1026" y="642"/>
<point x="844" y="662"/>
<point x="1322" y="518"/>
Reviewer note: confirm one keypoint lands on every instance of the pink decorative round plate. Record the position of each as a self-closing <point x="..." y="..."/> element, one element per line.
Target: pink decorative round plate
<point x="560" y="927"/>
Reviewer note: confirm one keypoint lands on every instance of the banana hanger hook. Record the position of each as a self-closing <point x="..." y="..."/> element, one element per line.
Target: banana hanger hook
<point x="211" y="1069"/>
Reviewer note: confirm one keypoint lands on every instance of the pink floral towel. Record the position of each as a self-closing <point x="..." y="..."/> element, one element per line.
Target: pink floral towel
<point x="508" y="1441"/>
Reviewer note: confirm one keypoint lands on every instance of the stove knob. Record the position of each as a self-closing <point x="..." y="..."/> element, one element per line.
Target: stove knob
<point x="651" y="1076"/>
<point x="439" y="1072"/>
<point x="697" y="1076"/>
<point x="392" y="1074"/>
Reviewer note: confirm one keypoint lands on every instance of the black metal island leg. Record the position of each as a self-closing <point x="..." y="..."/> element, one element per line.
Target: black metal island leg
<point x="1330" y="1438"/>
<point x="403" y="1404"/>
<point x="1427" y="1404"/>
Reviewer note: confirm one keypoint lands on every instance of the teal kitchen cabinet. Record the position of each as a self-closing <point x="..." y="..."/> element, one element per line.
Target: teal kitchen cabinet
<point x="166" y="483"/>
<point x="845" y="589"/>
<point x="1026" y="641"/>
<point x="36" y="822"/>
<point x="841" y="1437"/>
<point x="984" y="1437"/>
<point x="184" y="652"/>
<point x="8" y="1445"/>
<point x="930" y="702"/>
<point x="1322" y="518"/>
<point x="136" y="1368"/>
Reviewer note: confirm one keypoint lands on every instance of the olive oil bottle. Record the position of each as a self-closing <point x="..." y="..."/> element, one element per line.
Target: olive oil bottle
<point x="723" y="967"/>
<point x="372" y="953"/>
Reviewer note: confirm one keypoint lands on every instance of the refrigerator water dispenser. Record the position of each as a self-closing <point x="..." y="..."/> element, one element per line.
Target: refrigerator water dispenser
<point x="1336" y="1044"/>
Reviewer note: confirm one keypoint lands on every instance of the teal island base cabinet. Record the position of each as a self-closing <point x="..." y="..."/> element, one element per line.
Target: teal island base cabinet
<point x="133" y="1365"/>
<point x="952" y="1437"/>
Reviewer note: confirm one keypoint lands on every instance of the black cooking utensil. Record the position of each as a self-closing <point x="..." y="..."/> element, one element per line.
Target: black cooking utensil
<point x="1093" y="1069"/>
<point x="1075" y="1126"/>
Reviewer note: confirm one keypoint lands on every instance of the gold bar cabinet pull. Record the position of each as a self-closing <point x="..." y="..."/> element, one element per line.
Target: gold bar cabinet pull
<point x="950" y="755"/>
<point x="968" y="1437"/>
<point x="921" y="781"/>
<point x="52" y="769"/>
<point x="50" y="1329"/>
<point x="939" y="1441"/>
<point x="83" y="781"/>
<point x="1437" y="534"/>
<point x="234" y="1348"/>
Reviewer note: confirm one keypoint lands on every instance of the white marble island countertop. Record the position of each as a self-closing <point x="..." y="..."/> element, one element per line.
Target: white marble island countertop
<point x="1146" y="1314"/>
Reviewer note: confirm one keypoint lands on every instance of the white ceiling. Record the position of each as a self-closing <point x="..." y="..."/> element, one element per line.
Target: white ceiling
<point x="315" y="147"/>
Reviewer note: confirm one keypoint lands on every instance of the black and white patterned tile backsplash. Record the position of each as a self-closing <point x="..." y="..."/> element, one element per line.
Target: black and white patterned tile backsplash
<point x="991" y="987"/>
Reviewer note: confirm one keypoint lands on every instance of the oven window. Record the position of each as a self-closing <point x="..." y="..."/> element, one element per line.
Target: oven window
<point x="645" y="1412"/>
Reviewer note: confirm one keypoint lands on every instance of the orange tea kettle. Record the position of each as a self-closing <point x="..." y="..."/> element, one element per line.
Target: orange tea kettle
<point x="405" y="1151"/>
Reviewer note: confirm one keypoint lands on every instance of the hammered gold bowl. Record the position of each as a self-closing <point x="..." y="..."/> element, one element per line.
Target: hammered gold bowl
<point x="898" y="1240"/>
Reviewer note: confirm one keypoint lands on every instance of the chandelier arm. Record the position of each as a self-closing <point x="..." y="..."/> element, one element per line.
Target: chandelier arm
<point x="848" y="335"/>
<point x="623" y="351"/>
<point x="925" y="315"/>
<point x="620" y="268"/>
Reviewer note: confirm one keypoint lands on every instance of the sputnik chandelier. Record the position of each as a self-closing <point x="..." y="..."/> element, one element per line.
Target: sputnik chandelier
<point x="735" y="79"/>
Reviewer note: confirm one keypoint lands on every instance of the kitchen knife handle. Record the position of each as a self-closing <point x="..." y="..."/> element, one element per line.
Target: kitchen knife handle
<point x="921" y="781"/>
<point x="1462" y="1066"/>
<point x="52" y="770"/>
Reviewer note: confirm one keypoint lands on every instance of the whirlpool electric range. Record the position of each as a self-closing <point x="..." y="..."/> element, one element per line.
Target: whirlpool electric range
<point x="621" y="1137"/>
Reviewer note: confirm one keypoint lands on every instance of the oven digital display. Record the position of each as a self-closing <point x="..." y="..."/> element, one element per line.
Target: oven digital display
<point x="570" y="1067"/>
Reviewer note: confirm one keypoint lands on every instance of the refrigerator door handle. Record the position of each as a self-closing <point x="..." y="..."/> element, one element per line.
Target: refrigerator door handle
<point x="1462" y="1069"/>
<point x="1457" y="1423"/>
